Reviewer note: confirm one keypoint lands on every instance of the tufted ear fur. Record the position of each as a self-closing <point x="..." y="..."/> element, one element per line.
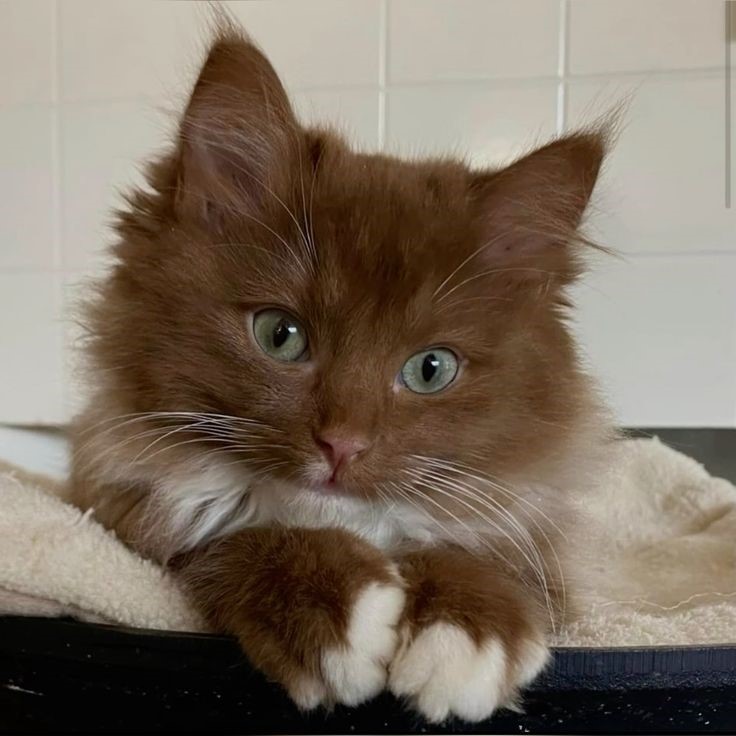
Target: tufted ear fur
<point x="531" y="210"/>
<point x="238" y="135"/>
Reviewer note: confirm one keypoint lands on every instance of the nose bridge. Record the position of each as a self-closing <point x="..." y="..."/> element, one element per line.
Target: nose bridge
<point x="350" y="394"/>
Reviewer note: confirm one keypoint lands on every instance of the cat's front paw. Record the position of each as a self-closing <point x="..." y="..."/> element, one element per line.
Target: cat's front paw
<point x="356" y="669"/>
<point x="443" y="672"/>
<point x="316" y="610"/>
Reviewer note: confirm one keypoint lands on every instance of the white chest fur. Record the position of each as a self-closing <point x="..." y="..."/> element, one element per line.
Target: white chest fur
<point x="201" y="503"/>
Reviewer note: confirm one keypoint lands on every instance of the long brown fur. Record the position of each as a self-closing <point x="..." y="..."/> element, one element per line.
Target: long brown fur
<point x="379" y="258"/>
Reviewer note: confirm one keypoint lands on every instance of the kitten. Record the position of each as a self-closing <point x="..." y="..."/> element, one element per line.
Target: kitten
<point x="337" y="393"/>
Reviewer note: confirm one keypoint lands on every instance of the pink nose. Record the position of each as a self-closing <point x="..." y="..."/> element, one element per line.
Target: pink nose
<point x="339" y="448"/>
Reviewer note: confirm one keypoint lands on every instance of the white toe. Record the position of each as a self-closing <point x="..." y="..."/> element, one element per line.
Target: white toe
<point x="445" y="673"/>
<point x="357" y="670"/>
<point x="480" y="695"/>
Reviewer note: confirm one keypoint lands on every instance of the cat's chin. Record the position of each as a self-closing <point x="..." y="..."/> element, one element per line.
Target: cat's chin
<point x="331" y="489"/>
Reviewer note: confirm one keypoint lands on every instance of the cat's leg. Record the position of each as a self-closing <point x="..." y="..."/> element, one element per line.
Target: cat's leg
<point x="471" y="636"/>
<point x="315" y="610"/>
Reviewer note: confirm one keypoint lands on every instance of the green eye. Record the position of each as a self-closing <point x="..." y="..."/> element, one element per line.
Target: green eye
<point x="280" y="335"/>
<point x="430" y="371"/>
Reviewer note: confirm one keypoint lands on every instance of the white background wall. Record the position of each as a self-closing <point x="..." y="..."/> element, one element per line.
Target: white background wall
<point x="83" y="84"/>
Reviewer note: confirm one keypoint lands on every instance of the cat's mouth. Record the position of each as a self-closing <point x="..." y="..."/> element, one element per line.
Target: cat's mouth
<point x="324" y="480"/>
<point x="331" y="484"/>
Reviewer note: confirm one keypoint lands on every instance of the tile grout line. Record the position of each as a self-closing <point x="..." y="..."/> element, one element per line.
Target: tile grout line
<point x="57" y="215"/>
<point x="648" y="74"/>
<point x="728" y="153"/>
<point x="56" y="140"/>
<point x="562" y="54"/>
<point x="728" y="7"/>
<point x="382" y="71"/>
<point x="728" y="20"/>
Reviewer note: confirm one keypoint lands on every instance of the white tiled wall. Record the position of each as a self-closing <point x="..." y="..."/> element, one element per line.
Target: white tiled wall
<point x="87" y="88"/>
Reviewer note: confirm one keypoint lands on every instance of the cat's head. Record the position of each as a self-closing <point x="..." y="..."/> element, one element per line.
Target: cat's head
<point x="365" y="318"/>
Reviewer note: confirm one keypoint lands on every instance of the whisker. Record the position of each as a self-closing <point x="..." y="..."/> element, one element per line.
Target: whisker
<point x="97" y="458"/>
<point x="315" y="171"/>
<point x="309" y="240"/>
<point x="475" y="474"/>
<point x="458" y="302"/>
<point x="476" y="276"/>
<point x="490" y="502"/>
<point x="239" y="447"/>
<point x="475" y="253"/>
<point x="162" y="438"/>
<point x="418" y="477"/>
<point x="526" y="554"/>
<point x="493" y="506"/>
<point x="405" y="488"/>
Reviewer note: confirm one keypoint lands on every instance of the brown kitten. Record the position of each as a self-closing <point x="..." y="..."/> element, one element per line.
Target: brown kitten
<point x="338" y="391"/>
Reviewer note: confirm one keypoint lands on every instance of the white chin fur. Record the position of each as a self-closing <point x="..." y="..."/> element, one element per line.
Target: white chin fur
<point x="202" y="502"/>
<point x="357" y="670"/>
<point x="444" y="673"/>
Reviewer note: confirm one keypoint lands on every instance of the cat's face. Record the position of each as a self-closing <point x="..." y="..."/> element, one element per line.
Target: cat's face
<point x="361" y="315"/>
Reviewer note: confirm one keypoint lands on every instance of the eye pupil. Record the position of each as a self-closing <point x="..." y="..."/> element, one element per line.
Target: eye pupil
<point x="281" y="333"/>
<point x="430" y="364"/>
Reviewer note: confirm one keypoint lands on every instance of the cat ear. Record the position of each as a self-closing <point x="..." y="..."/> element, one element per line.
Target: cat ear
<point x="530" y="211"/>
<point x="238" y="133"/>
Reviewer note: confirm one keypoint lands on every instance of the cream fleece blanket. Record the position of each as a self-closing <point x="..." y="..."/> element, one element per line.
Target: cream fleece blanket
<point x="663" y="567"/>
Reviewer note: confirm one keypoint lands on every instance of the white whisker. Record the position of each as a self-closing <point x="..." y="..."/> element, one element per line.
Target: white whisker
<point x="475" y="253"/>
<point x="493" y="271"/>
<point x="442" y="467"/>
<point x="529" y="553"/>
